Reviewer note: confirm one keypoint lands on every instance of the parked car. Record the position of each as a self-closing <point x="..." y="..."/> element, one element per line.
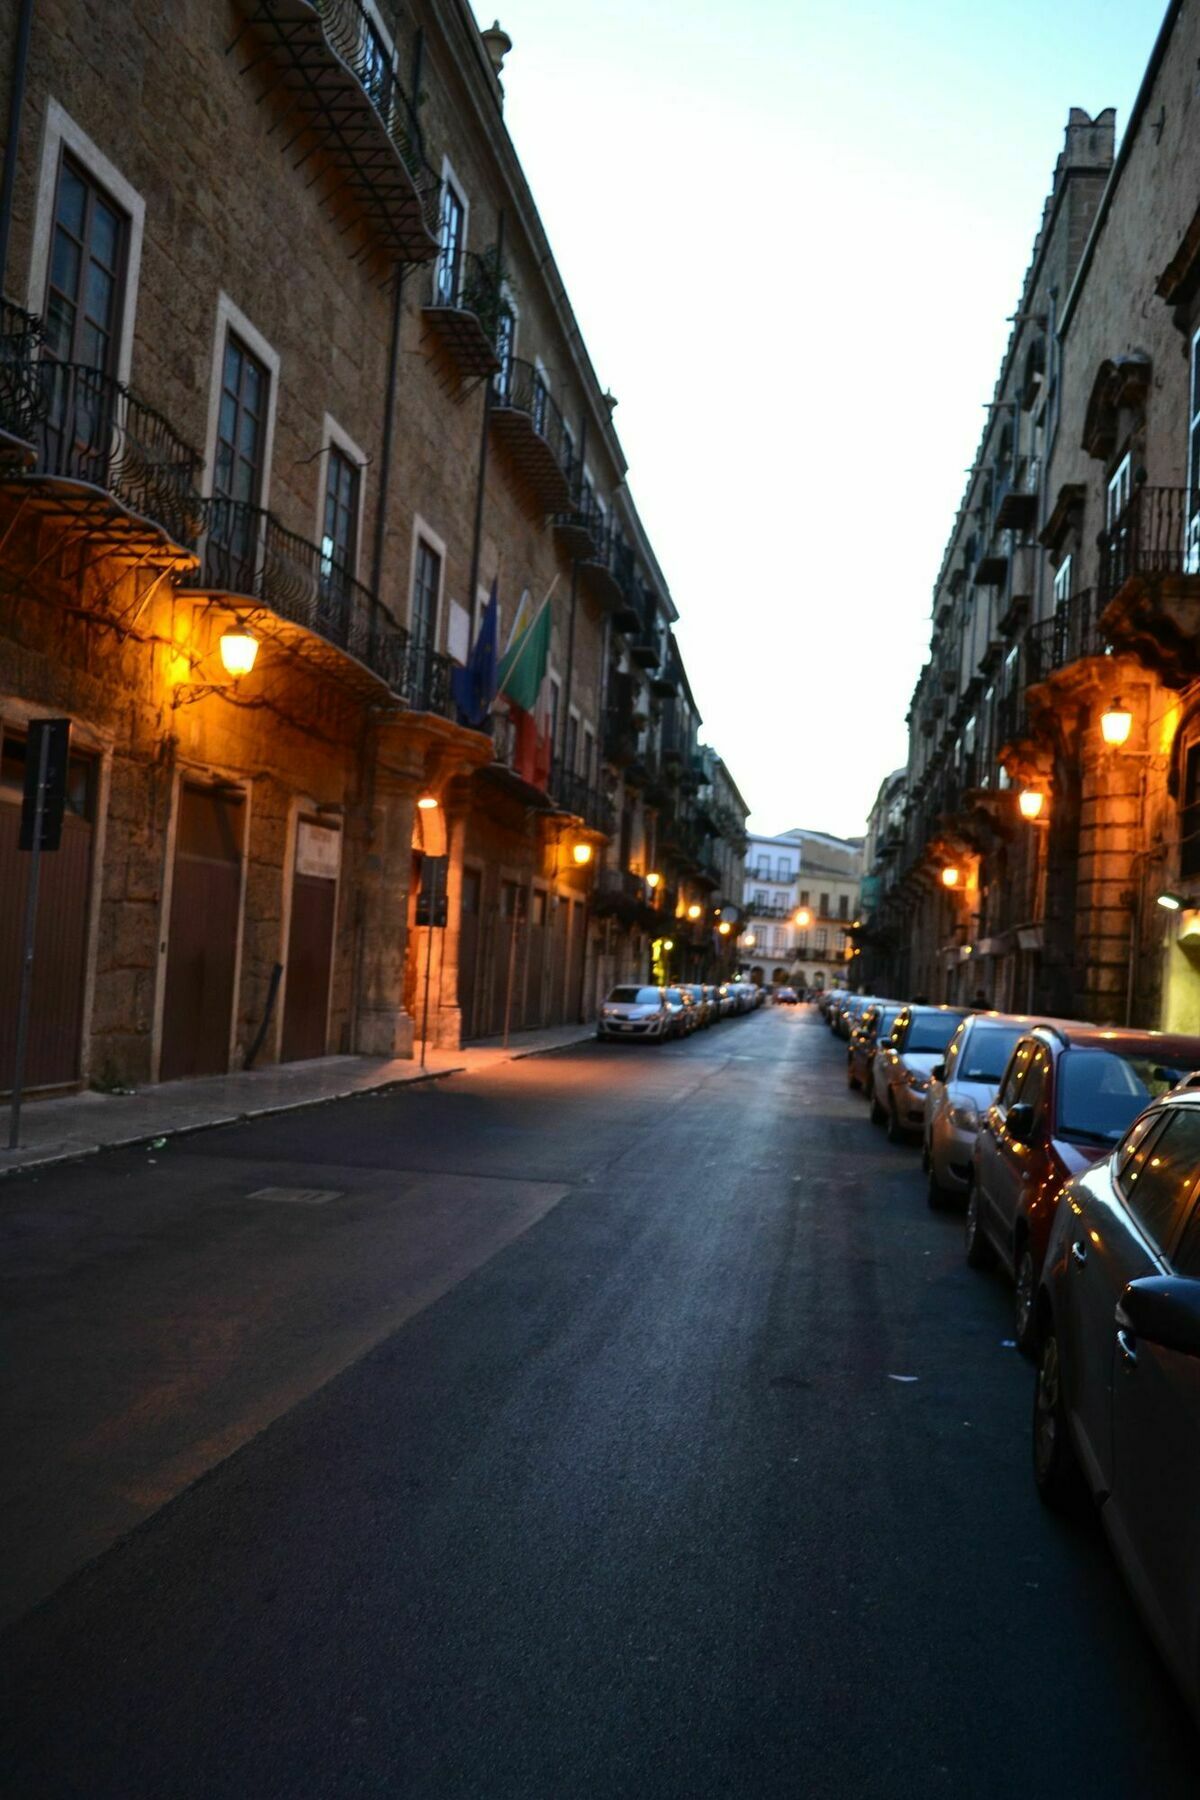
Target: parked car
<point x="875" y="1025"/>
<point x="903" y="1062"/>
<point x="682" y="1009"/>
<point x="1116" y="1411"/>
<point x="728" y="999"/>
<point x="851" y="1012"/>
<point x="699" y="997"/>
<point x="961" y="1088"/>
<point x="1070" y="1092"/>
<point x="713" y="996"/>
<point x="786" y="996"/>
<point x="635" y="1012"/>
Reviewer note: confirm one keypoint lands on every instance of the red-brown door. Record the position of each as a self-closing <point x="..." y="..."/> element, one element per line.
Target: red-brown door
<point x="202" y="941"/>
<point x="60" y="943"/>
<point x="469" y="949"/>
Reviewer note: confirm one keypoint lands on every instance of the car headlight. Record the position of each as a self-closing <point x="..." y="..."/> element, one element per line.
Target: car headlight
<point x="965" y="1115"/>
<point x="916" y="1080"/>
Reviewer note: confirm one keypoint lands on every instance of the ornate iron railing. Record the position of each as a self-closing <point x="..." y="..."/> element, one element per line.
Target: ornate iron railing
<point x="1157" y="534"/>
<point x="1073" y="633"/>
<point x="574" y="794"/>
<point x="522" y="388"/>
<point x="20" y="390"/>
<point x="352" y="33"/>
<point x="475" y="284"/>
<point x="92" y="429"/>
<point x="247" y="552"/>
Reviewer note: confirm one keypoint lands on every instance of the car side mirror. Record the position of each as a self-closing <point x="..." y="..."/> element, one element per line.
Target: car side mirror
<point x="1164" y="1310"/>
<point x="1020" y="1122"/>
<point x="938" y="1072"/>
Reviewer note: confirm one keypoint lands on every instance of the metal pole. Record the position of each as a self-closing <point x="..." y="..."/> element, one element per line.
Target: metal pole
<point x="16" y="104"/>
<point x="31" y="901"/>
<point x="429" y="929"/>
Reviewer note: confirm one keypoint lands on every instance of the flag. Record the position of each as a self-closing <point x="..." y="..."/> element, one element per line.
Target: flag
<point x="523" y="665"/>
<point x="474" y="685"/>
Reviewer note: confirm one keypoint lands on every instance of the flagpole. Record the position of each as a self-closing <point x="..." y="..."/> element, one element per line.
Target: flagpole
<point x="528" y="632"/>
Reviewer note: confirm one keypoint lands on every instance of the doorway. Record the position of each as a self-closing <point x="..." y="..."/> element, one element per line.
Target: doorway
<point x="310" y="941"/>
<point x="206" y="894"/>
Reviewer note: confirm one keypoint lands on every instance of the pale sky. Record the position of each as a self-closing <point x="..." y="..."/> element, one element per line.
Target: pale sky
<point x="791" y="234"/>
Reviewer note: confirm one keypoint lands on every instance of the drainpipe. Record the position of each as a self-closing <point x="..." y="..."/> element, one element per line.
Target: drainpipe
<point x="481" y="478"/>
<point x="16" y="106"/>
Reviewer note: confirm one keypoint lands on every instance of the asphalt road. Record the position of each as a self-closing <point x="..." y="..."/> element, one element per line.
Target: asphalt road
<point x="629" y="1504"/>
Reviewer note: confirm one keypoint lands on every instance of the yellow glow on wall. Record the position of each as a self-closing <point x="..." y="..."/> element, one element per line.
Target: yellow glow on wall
<point x="1170" y="726"/>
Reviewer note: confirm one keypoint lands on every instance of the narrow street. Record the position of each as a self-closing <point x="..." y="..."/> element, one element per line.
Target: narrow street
<point x="560" y="1453"/>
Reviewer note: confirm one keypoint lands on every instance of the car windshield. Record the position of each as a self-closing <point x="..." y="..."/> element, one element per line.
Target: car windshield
<point x="985" y="1056"/>
<point x="930" y="1032"/>
<point x="634" y="996"/>
<point x="1101" y="1092"/>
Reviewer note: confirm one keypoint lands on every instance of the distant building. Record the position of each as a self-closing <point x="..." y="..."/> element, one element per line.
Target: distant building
<point x="800" y="901"/>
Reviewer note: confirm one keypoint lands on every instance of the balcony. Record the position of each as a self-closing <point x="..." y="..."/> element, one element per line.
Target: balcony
<point x="1150" y="581"/>
<point x="573" y="794"/>
<point x="20" y="394"/>
<point x="608" y="575"/>
<point x="530" y="426"/>
<point x="620" y="894"/>
<point x="463" y="314"/>
<point x="332" y="62"/>
<point x="105" y="466"/>
<point x="580" y="529"/>
<point x="336" y="624"/>
<point x="1016" y="497"/>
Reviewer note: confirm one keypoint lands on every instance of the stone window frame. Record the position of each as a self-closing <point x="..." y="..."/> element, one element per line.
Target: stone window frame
<point x="62" y="133"/>
<point x="230" y="317"/>
<point x="422" y="529"/>
<point x="334" y="437"/>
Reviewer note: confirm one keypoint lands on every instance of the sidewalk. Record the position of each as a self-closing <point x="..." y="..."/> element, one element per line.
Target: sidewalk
<point x="76" y="1125"/>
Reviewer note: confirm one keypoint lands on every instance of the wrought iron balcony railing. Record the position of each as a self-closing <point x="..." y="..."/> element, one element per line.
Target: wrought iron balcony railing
<point x="247" y="554"/>
<point x="574" y="794"/>
<point x="464" y="310"/>
<point x="1157" y="534"/>
<point x="93" y="431"/>
<point x="341" y="76"/>
<point x="529" y="421"/>
<point x="20" y="391"/>
<point x="1073" y="633"/>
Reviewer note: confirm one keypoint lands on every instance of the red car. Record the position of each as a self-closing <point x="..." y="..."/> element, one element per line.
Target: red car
<point x="1068" y="1096"/>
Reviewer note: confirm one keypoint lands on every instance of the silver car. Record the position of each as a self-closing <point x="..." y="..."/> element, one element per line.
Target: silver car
<point x="961" y="1088"/>
<point x="635" y="1012"/>
<point x="904" y="1063"/>
<point x="1118" y="1337"/>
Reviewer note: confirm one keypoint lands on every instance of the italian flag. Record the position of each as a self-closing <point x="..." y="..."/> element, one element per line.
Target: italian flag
<point x="521" y="678"/>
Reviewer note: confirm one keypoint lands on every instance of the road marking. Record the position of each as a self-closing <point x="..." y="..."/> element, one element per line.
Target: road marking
<point x="297" y="1196"/>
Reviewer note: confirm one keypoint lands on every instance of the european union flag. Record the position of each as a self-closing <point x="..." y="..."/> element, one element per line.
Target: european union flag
<point x="474" y="685"/>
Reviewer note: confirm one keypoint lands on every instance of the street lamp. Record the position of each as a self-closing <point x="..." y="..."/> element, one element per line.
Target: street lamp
<point x="724" y="928"/>
<point x="1170" y="902"/>
<point x="950" y="876"/>
<point x="653" y="879"/>
<point x="238" y="651"/>
<point x="803" y="916"/>
<point x="693" y="911"/>
<point x="582" y="853"/>
<point x="427" y="803"/>
<point x="1116" y="723"/>
<point x="1031" y="802"/>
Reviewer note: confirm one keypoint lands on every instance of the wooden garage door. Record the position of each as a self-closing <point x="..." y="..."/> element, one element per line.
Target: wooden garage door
<point x="60" y="946"/>
<point x="202" y="944"/>
<point x="310" y="942"/>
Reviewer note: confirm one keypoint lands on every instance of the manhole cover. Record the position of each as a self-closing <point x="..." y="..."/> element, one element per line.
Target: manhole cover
<point x="296" y="1196"/>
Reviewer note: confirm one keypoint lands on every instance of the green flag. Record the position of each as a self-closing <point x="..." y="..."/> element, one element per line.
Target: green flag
<point x="523" y="665"/>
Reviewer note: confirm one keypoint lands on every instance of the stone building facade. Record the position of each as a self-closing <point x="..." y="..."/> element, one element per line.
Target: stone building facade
<point x="285" y="356"/>
<point x="1054" y="767"/>
<point x="801" y="904"/>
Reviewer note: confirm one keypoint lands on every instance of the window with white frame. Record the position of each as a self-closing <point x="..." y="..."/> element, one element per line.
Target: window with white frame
<point x="1192" y="544"/>
<point x="1117" y="497"/>
<point x="427" y="584"/>
<point x="86" y="277"/>
<point x="1063" y="578"/>
<point x="452" y="233"/>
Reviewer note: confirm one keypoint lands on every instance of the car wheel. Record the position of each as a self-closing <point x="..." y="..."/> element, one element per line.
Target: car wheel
<point x="1025" y="1277"/>
<point x="1056" y="1473"/>
<point x="895" y="1132"/>
<point x="980" y="1254"/>
<point x="877" y="1113"/>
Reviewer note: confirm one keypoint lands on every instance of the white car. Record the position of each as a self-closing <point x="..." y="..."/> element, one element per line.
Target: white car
<point x="904" y="1063"/>
<point x="636" y="1012"/>
<point x="961" y="1088"/>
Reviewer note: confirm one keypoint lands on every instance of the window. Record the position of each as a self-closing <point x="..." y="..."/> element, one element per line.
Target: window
<point x="1037" y="1076"/>
<point x="1063" y="577"/>
<point x="376" y="68"/>
<point x="1117" y="498"/>
<point x="589" y="754"/>
<point x="339" y="539"/>
<point x="571" y="744"/>
<point x="427" y="581"/>
<point x="1158" y="1192"/>
<point x="804" y="897"/>
<point x="86" y="275"/>
<point x="785" y="873"/>
<point x="1015" y="1074"/>
<point x="539" y="402"/>
<point x="824" y="906"/>
<point x="505" y="334"/>
<point x="763" y="870"/>
<point x="760" y="900"/>
<point x="843" y="906"/>
<point x="240" y="448"/>
<point x="552" y="720"/>
<point x="1192" y="547"/>
<point x="822" y="938"/>
<point x="450" y="240"/>
<point x="1131" y="1155"/>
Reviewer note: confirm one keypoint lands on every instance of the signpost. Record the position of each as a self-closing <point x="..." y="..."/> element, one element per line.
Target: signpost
<point x="47" y="753"/>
